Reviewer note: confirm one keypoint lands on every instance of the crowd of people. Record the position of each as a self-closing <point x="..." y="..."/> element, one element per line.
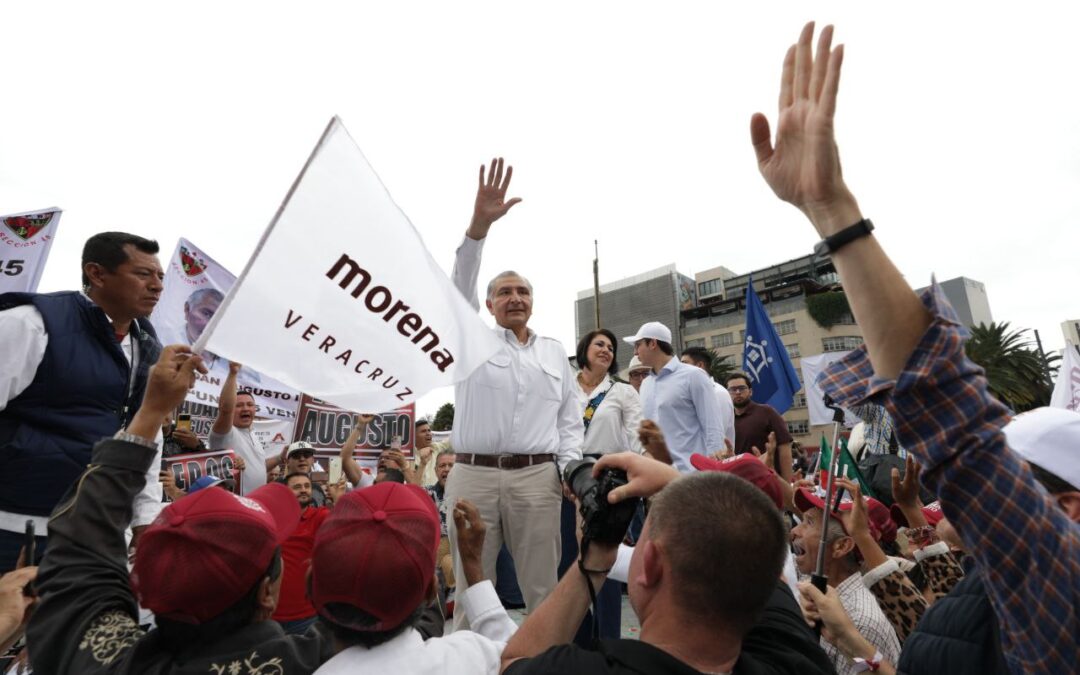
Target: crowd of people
<point x="734" y="557"/>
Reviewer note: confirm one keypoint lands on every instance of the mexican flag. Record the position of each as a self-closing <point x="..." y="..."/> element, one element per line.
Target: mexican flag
<point x="846" y="463"/>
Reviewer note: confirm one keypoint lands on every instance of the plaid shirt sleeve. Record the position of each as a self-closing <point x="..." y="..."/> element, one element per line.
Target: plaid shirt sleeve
<point x="1026" y="548"/>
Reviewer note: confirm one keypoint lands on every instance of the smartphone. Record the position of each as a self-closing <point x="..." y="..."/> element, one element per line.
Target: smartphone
<point x="335" y="470"/>
<point x="183" y="422"/>
<point x="29" y="543"/>
<point x="395" y="442"/>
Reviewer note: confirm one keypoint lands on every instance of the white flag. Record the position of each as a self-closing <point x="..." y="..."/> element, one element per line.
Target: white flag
<point x="327" y="304"/>
<point x="815" y="397"/>
<point x="195" y="285"/>
<point x="1067" y="390"/>
<point x="25" y="242"/>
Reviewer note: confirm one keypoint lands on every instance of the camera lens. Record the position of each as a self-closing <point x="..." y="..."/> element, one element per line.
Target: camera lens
<point x="579" y="476"/>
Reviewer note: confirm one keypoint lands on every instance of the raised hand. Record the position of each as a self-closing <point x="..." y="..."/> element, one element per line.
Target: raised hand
<point x="906" y="492"/>
<point x="491" y="203"/>
<point x="857" y="521"/>
<point x="234" y="368"/>
<point x="803" y="167"/>
<point x="652" y="440"/>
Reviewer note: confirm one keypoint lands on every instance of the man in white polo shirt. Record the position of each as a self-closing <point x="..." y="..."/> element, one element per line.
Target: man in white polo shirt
<point x="679" y="397"/>
<point x="232" y="430"/>
<point x="517" y="421"/>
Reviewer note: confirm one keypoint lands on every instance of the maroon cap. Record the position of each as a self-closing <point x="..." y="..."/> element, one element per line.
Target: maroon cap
<point x="805" y="500"/>
<point x="206" y="551"/>
<point x="881" y="520"/>
<point x="746" y="467"/>
<point x="376" y="552"/>
<point x="932" y="512"/>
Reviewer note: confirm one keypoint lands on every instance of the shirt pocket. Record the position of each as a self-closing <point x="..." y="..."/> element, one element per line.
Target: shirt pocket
<point x="495" y="372"/>
<point x="547" y="382"/>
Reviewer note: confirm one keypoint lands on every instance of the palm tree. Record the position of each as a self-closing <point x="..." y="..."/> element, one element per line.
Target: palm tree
<point x="1016" y="373"/>
<point x="722" y="366"/>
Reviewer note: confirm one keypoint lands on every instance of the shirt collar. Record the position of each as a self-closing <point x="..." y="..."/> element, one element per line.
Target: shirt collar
<point x="511" y="338"/>
<point x="851" y="583"/>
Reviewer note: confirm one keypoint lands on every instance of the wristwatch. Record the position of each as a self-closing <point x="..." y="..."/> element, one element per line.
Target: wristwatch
<point x="834" y="242"/>
<point x="123" y="435"/>
<point x="872" y="664"/>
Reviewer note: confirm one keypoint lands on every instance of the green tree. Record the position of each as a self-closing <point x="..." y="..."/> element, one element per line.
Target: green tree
<point x="1016" y="372"/>
<point x="444" y="418"/>
<point x="722" y="366"/>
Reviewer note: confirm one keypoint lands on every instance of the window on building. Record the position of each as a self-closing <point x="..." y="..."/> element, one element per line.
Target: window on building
<point x="700" y="342"/>
<point x="723" y="340"/>
<point x="841" y="343"/>
<point x="800" y="400"/>
<point x="792" y="351"/>
<point x="711" y="287"/>
<point x="742" y="337"/>
<point x="798" y="427"/>
<point x="785" y="327"/>
<point x="845" y="320"/>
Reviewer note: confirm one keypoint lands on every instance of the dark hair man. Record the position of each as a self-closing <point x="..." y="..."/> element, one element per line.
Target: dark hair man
<point x="300" y="458"/>
<point x="703" y="358"/>
<point x="517" y="421"/>
<point x="73" y="370"/>
<point x="679" y="398"/>
<point x="294" y="610"/>
<point x="372" y="576"/>
<point x="755" y="421"/>
<point x="693" y="619"/>
<point x="209" y="567"/>
<point x="1026" y="548"/>
<point x="233" y="430"/>
<point x="425" y="453"/>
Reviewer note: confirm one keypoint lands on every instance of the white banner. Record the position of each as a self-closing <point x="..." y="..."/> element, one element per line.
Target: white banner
<point x="1067" y="390"/>
<point x="326" y="304"/>
<point x="195" y="285"/>
<point x="25" y="242"/>
<point x="815" y="397"/>
<point x="274" y="435"/>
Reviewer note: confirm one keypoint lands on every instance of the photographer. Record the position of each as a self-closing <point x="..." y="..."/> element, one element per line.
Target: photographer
<point x="692" y="619"/>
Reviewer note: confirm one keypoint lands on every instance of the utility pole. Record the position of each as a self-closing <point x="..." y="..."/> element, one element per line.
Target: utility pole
<point x="1042" y="355"/>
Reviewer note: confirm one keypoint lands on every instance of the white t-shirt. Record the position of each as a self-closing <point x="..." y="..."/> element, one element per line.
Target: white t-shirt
<point x="247" y="448"/>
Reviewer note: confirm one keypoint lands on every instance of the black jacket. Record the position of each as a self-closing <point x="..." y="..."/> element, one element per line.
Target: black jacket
<point x="86" y="621"/>
<point x="957" y="634"/>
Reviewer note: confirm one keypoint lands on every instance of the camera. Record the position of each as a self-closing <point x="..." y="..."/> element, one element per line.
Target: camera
<point x="602" y="521"/>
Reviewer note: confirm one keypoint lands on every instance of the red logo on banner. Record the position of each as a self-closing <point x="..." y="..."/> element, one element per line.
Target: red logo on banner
<point x="25" y="227"/>
<point x="192" y="264"/>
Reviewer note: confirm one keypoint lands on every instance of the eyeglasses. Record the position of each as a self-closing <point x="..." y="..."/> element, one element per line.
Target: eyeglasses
<point x="739" y="389"/>
<point x="639" y="374"/>
<point x="303" y="454"/>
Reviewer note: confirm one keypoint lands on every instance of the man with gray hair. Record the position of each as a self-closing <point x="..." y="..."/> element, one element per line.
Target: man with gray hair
<point x="517" y="423"/>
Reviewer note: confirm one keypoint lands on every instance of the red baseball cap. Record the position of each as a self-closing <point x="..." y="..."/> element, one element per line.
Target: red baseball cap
<point x="881" y="520"/>
<point x="376" y="552"/>
<point x="746" y="467"/>
<point x="206" y="551"/>
<point x="932" y="512"/>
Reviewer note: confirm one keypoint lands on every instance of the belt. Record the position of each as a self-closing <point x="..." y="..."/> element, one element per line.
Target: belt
<point x="503" y="461"/>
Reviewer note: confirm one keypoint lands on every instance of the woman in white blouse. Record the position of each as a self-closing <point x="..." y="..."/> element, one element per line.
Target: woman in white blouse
<point x="611" y="411"/>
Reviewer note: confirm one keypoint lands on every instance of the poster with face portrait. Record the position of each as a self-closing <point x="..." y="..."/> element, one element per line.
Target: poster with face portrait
<point x="195" y="285"/>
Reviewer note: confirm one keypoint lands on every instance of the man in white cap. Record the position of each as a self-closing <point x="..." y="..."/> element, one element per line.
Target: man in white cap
<point x="678" y="397"/>
<point x="636" y="373"/>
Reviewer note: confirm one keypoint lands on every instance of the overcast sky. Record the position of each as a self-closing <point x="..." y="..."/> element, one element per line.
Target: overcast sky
<point x="627" y="122"/>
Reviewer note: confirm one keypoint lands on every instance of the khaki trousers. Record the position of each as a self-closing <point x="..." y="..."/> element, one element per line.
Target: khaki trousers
<point x="520" y="507"/>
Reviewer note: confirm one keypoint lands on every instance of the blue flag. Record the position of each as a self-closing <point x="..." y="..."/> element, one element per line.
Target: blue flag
<point x="765" y="359"/>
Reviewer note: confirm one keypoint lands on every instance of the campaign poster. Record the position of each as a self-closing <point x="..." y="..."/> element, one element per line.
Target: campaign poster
<point x="327" y="427"/>
<point x="25" y="242"/>
<point x="195" y="285"/>
<point x="186" y="469"/>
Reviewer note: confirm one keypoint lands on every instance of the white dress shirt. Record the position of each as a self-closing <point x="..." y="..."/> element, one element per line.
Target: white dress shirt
<point x="683" y="403"/>
<point x="520" y="401"/>
<point x="464" y="651"/>
<point x="22" y="332"/>
<point x="614" y="424"/>
<point x="727" y="412"/>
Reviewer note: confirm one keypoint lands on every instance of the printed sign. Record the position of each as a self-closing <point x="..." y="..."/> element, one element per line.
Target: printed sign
<point x="186" y="469"/>
<point x="25" y="242"/>
<point x="327" y="427"/>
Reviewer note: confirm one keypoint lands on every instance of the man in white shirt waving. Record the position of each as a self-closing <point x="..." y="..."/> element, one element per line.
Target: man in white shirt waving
<point x="517" y="422"/>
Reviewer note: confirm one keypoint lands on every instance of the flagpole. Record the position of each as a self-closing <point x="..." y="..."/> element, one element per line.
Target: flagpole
<point x="596" y="280"/>
<point x="818" y="578"/>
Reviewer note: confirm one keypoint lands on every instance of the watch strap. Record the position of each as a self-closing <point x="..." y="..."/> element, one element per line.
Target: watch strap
<point x="834" y="242"/>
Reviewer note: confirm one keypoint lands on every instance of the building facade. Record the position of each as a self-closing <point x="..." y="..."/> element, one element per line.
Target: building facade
<point x="656" y="295"/>
<point x="968" y="297"/>
<point x="1071" y="330"/>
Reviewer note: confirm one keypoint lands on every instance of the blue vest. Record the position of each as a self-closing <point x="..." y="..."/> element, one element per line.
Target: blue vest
<point x="79" y="395"/>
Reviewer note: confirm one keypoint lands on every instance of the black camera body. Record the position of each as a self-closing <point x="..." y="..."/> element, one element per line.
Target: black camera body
<point x="601" y="521"/>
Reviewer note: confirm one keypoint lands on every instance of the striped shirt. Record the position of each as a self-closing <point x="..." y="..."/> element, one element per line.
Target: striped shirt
<point x="1027" y="549"/>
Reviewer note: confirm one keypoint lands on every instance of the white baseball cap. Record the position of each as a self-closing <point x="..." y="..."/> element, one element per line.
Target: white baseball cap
<point x="654" y="330"/>
<point x="1049" y="437"/>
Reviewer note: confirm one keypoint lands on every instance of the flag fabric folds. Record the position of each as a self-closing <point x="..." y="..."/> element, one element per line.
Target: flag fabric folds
<point x="765" y="359"/>
<point x="1067" y="389"/>
<point x="845" y="466"/>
